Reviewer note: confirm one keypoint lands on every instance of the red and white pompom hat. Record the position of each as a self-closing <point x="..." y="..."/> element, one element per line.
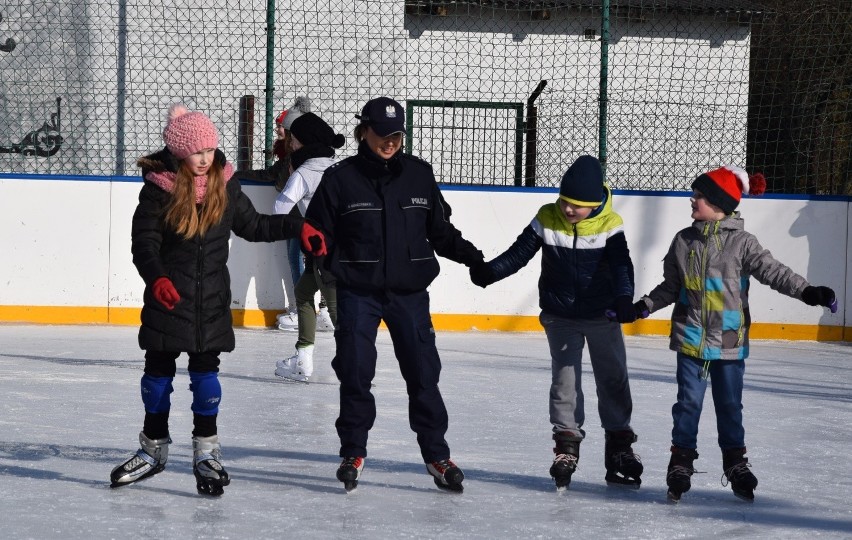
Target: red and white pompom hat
<point x="725" y="186"/>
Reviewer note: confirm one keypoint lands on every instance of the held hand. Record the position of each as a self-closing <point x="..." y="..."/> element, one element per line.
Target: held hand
<point x="165" y="292"/>
<point x="313" y="241"/>
<point x="641" y="310"/>
<point x="481" y="274"/>
<point x="820" y="296"/>
<point x="624" y="311"/>
<point x="629" y="312"/>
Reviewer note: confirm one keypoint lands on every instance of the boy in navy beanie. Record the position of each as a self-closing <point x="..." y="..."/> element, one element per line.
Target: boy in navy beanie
<point x="585" y="291"/>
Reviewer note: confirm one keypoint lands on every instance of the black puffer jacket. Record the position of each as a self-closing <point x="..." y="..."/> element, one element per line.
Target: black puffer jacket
<point x="384" y="222"/>
<point x="201" y="321"/>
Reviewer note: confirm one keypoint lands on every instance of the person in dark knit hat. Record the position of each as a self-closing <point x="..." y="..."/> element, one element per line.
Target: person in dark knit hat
<point x="586" y="280"/>
<point x="313" y="144"/>
<point x="706" y="275"/>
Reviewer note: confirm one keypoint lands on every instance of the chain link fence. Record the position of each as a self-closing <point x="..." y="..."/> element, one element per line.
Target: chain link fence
<point x="499" y="92"/>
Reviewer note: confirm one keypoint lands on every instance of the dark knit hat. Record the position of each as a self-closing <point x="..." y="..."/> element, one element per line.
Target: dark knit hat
<point x="310" y="129"/>
<point x="725" y="186"/>
<point x="384" y="116"/>
<point x="583" y="183"/>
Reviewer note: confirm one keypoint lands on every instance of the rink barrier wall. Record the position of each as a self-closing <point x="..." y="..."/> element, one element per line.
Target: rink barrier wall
<point x="67" y="246"/>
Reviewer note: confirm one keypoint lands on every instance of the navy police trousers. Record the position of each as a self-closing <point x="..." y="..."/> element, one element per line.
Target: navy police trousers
<point x="407" y="317"/>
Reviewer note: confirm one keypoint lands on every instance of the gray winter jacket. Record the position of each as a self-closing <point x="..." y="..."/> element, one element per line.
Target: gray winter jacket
<point x="706" y="274"/>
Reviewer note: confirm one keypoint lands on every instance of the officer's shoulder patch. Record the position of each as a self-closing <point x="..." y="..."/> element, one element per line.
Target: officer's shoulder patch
<point x="337" y="165"/>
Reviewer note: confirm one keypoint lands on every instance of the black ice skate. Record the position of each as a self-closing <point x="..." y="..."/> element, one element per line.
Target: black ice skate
<point x="680" y="471"/>
<point x="567" y="452"/>
<point x="349" y="472"/>
<point x="148" y="461"/>
<point x="447" y="475"/>
<point x="623" y="467"/>
<point x="736" y="467"/>
<point x="210" y="476"/>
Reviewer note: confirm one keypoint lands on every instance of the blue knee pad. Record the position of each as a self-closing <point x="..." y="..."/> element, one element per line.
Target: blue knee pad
<point x="206" y="392"/>
<point x="156" y="392"/>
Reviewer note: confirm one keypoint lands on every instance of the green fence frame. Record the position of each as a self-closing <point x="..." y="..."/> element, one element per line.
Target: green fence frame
<point x="519" y="123"/>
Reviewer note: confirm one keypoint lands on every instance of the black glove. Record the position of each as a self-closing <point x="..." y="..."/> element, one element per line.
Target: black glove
<point x="624" y="310"/>
<point x="820" y="296"/>
<point x="641" y="310"/>
<point x="481" y="274"/>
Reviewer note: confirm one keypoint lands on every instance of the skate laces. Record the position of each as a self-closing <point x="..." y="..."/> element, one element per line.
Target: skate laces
<point x="355" y="462"/>
<point x="569" y="459"/>
<point x="737" y="473"/>
<point x="681" y="470"/>
<point x="141" y="457"/>
<point x="443" y="465"/>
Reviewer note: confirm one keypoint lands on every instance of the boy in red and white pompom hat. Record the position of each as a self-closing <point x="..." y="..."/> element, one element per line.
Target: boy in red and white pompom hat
<point x="725" y="186"/>
<point x="707" y="274"/>
<point x="189" y="132"/>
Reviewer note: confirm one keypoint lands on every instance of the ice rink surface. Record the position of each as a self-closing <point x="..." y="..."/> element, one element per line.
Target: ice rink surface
<point x="71" y="411"/>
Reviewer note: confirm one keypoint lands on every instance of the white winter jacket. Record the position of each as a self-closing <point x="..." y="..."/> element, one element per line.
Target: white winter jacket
<point x="301" y="186"/>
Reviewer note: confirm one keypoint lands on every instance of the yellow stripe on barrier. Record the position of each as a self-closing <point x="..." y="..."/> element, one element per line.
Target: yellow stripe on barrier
<point x="256" y="318"/>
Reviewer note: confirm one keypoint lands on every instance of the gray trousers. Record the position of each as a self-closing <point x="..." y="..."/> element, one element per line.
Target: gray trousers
<point x="567" y="338"/>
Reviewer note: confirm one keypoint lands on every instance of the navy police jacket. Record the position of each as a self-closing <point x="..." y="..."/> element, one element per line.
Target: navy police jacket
<point x="384" y="222"/>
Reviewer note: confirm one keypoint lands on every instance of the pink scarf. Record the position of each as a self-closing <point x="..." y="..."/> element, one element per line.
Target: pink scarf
<point x="166" y="180"/>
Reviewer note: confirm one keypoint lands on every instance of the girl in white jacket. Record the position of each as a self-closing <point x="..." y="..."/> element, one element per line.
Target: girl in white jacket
<point x="313" y="145"/>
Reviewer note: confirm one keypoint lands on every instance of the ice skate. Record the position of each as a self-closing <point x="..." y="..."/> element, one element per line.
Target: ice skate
<point x="147" y="461"/>
<point x="447" y="475"/>
<point x="349" y="472"/>
<point x="736" y="471"/>
<point x="680" y="471"/>
<point x="288" y="321"/>
<point x="324" y="323"/>
<point x="567" y="452"/>
<point x="623" y="467"/>
<point x="298" y="367"/>
<point x="210" y="474"/>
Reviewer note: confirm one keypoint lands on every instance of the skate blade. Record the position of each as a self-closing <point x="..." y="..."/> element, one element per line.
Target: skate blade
<point x="291" y="378"/>
<point x="213" y="488"/>
<point x="614" y="480"/>
<point x="743" y="496"/>
<point x="673" y="497"/>
<point x="450" y="489"/>
<point x="623" y="485"/>
<point x="149" y="474"/>
<point x="560" y="489"/>
<point x="350" y="487"/>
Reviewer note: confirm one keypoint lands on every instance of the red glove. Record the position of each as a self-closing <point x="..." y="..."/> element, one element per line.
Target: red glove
<point x="165" y="292"/>
<point x="313" y="241"/>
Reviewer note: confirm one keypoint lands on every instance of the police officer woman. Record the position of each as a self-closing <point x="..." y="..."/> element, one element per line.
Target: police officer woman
<point x="384" y="221"/>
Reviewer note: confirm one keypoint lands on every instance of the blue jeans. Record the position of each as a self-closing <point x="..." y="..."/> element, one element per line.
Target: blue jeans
<point x="726" y="381"/>
<point x="297" y="262"/>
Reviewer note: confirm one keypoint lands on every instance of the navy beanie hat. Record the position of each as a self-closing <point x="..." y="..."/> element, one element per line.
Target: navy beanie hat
<point x="583" y="183"/>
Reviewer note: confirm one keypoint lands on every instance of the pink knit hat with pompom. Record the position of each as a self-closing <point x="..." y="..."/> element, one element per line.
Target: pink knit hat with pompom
<point x="188" y="132"/>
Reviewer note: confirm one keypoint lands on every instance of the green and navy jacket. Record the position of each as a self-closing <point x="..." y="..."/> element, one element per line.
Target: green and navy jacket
<point x="584" y="266"/>
<point x="706" y="275"/>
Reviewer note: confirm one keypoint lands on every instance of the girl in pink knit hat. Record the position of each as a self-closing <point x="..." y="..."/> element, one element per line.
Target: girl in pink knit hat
<point x="188" y="205"/>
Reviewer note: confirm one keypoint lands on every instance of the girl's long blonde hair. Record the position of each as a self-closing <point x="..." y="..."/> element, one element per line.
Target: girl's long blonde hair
<point x="186" y="217"/>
